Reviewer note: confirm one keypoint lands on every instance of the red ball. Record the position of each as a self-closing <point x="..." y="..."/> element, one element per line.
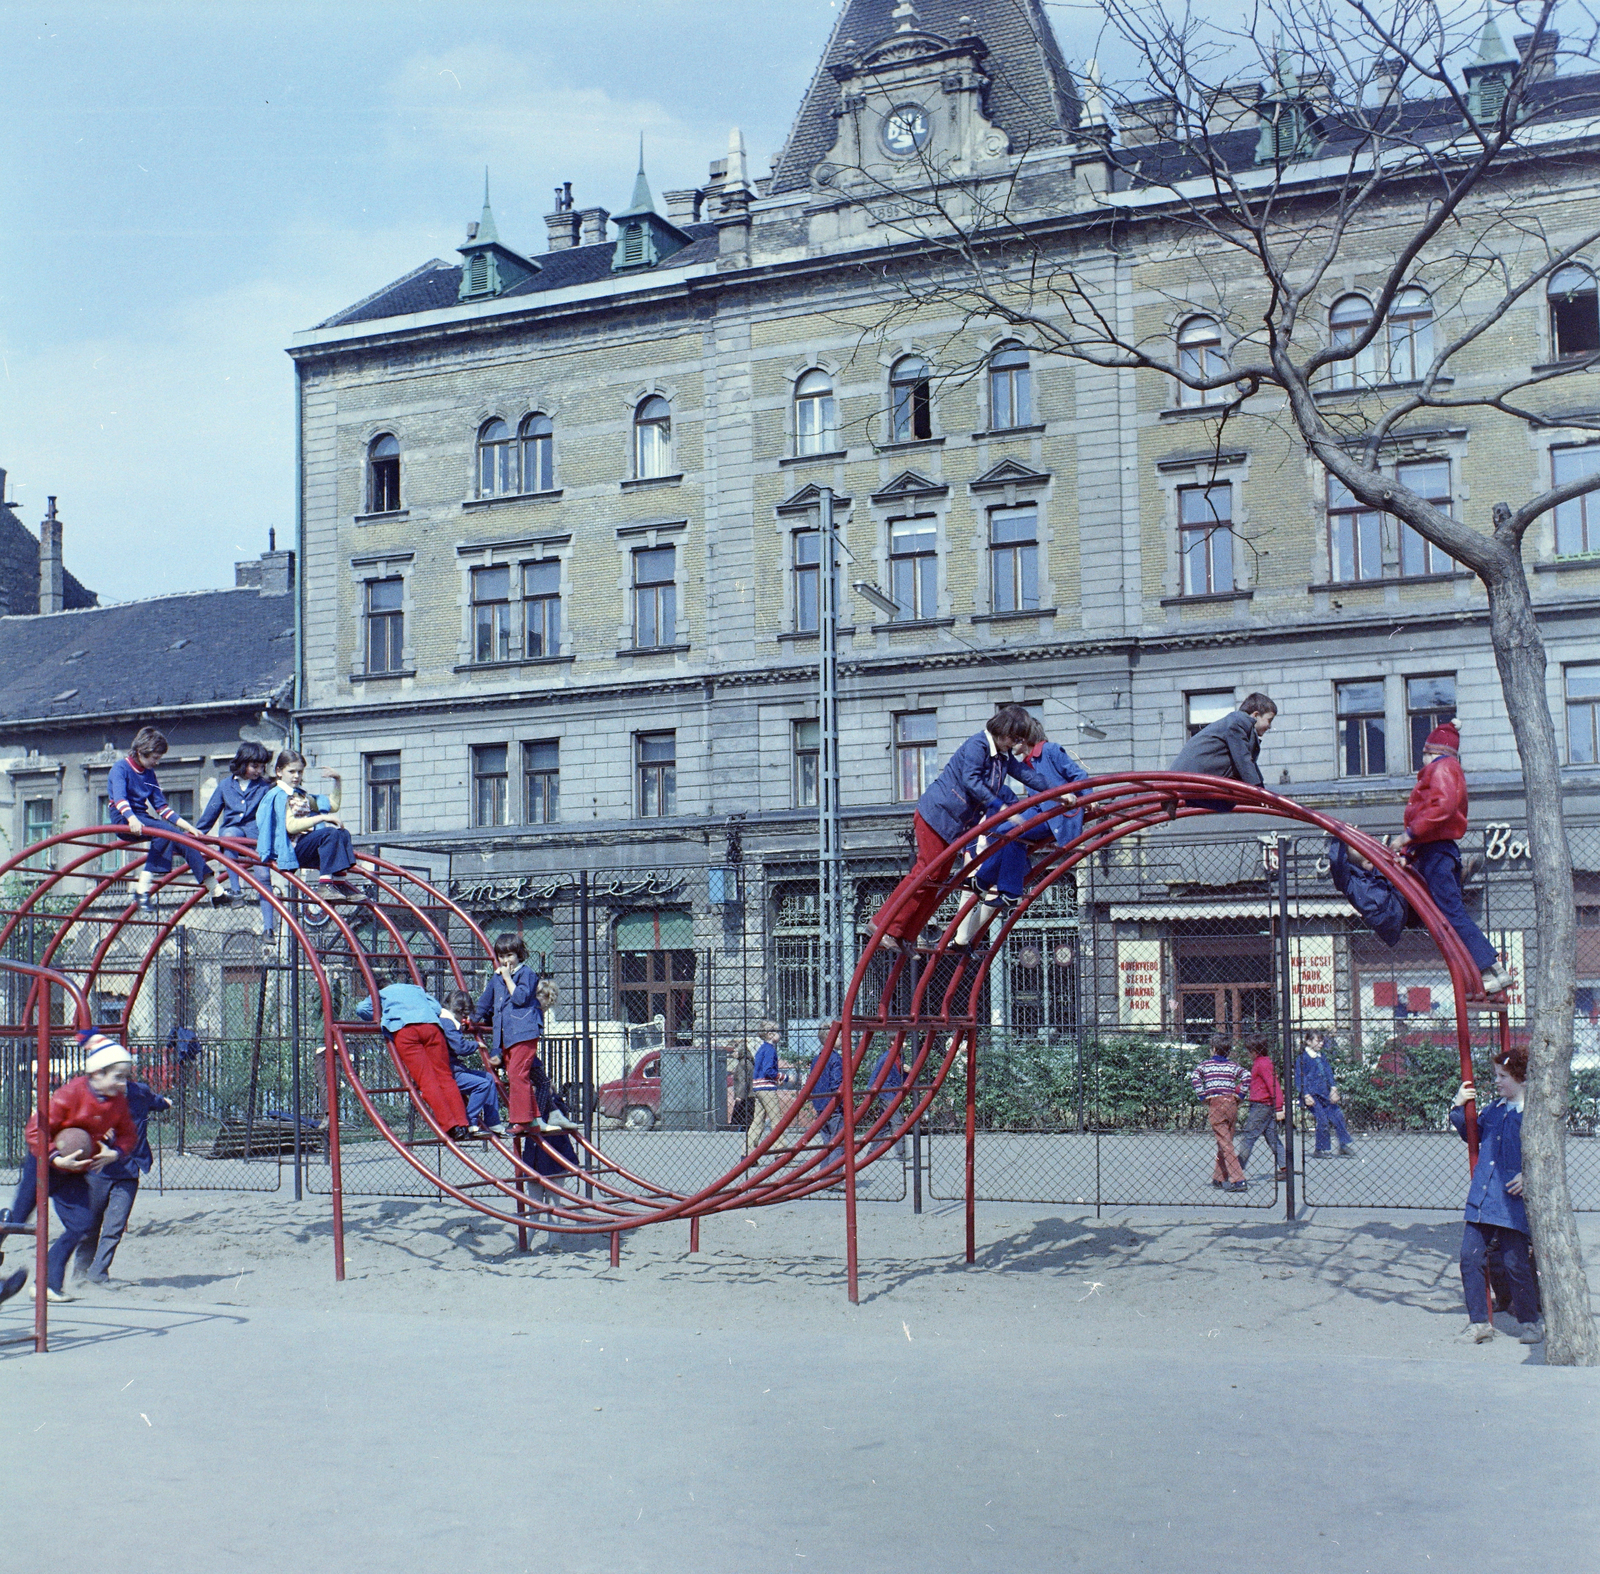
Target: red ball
<point x="73" y="1142"/>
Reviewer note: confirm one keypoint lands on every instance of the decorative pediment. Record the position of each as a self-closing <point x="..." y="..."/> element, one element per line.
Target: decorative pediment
<point x="1009" y="473"/>
<point x="908" y="486"/>
<point x="808" y="498"/>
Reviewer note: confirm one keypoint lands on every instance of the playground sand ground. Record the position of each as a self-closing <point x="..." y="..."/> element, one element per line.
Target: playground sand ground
<point x="1151" y="1390"/>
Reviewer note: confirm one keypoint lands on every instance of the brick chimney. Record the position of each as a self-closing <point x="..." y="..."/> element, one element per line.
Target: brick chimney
<point x="563" y="224"/>
<point x="592" y="226"/>
<point x="52" y="587"/>
<point x="272" y="573"/>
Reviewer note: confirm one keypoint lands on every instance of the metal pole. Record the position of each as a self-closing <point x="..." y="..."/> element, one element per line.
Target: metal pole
<point x="830" y="854"/>
<point x="41" y="1192"/>
<point x="588" y="1040"/>
<point x="294" y="1037"/>
<point x="1285" y="996"/>
<point x="972" y="1145"/>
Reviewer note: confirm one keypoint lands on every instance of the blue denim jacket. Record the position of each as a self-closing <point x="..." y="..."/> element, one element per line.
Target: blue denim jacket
<point x="1499" y="1160"/>
<point x="272" y="822"/>
<point x="516" y="1013"/>
<point x="973" y="777"/>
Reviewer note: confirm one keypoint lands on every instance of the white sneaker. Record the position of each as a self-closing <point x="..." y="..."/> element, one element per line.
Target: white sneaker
<point x="1496" y="979"/>
<point x="1478" y="1333"/>
<point x="1532" y="1333"/>
<point x="560" y="1121"/>
<point x="50" y="1295"/>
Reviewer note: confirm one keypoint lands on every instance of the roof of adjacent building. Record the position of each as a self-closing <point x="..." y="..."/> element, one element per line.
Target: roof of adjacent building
<point x="437" y="283"/>
<point x="1032" y="98"/>
<point x="204" y="647"/>
<point x="19" y="569"/>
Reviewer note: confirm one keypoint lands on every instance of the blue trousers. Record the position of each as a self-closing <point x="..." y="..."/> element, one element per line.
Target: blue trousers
<point x="269" y="914"/>
<point x="74" y="1208"/>
<point x="481" y="1096"/>
<point x="1480" y="1242"/>
<point x="158" y="858"/>
<point x="1325" y="1112"/>
<point x="1439" y="864"/>
<point x="329" y="846"/>
<point x="1261" y="1122"/>
<point x="111" y="1202"/>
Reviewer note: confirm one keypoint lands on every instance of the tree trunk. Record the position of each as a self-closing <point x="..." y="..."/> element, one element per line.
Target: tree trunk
<point x="1570" y="1338"/>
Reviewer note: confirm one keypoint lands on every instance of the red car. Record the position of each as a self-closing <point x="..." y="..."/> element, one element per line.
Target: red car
<point x="636" y="1099"/>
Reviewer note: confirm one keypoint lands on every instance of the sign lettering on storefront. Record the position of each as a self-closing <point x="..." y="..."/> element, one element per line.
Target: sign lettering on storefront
<point x="1498" y="843"/>
<point x="1139" y="982"/>
<point x="1311" y="979"/>
<point x="517" y="893"/>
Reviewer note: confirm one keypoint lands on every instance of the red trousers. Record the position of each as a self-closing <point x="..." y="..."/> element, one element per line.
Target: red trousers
<point x="519" y="1060"/>
<point x="908" y="924"/>
<point x="421" y="1048"/>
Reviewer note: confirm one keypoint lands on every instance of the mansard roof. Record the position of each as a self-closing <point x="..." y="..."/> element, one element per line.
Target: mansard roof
<point x="437" y="284"/>
<point x="1032" y="98"/>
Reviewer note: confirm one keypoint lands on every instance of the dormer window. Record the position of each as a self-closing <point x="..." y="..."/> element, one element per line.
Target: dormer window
<point x="633" y="246"/>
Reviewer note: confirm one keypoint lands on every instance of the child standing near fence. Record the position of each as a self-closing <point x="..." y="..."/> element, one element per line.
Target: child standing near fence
<point x="510" y="1002"/>
<point x="1217" y="1084"/>
<point x="1319" y="1089"/>
<point x="136" y="799"/>
<point x="234" y="803"/>
<point x="1266" y="1104"/>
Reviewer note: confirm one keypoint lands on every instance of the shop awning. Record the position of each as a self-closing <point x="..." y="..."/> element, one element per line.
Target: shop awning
<point x="663" y="930"/>
<point x="1299" y="907"/>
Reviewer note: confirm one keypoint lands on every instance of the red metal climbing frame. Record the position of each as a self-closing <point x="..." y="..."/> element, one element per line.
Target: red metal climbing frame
<point x="85" y="926"/>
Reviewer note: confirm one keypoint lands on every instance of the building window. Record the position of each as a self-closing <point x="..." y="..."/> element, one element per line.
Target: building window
<point x="1013" y="559"/>
<point x="1430" y="703"/>
<point x="807" y="764"/>
<point x="39" y="819"/>
<point x="1206" y="706"/>
<point x="385" y="624"/>
<point x="1355" y="536"/>
<point x="655" y="596"/>
<point x="916" y="753"/>
<point x="807" y="581"/>
<point x="1348" y="320"/>
<point x="383" y="792"/>
<point x="541" y="782"/>
<point x="1409" y="330"/>
<point x="489" y="780"/>
<point x="1583" y="715"/>
<point x="1010" y="388"/>
<point x="1574" y="312"/>
<point x="1429" y="479"/>
<point x="652" y="438"/>
<point x="541" y="608"/>
<point x="656" y="756"/>
<point x="497" y="461"/>
<point x="1205" y="539"/>
<point x="914" y="567"/>
<point x="1200" y="355"/>
<point x="816" y="429"/>
<point x="1577" y="520"/>
<point x="538" y="454"/>
<point x="383" y="475"/>
<point x="910" y="400"/>
<point x="1359" y="711"/>
<point x="491" y="614"/>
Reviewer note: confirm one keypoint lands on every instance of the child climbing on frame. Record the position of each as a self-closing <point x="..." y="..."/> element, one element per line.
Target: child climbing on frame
<point x="295" y="827"/>
<point x="234" y="803"/>
<point x="138" y="802"/>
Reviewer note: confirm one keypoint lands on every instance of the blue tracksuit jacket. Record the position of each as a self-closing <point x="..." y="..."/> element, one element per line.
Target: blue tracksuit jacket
<point x="133" y="791"/>
<point x="403" y="1006"/>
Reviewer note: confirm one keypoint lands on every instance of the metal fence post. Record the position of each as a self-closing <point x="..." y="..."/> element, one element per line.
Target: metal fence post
<point x="1285" y="997"/>
<point x="588" y="1040"/>
<point x="294" y="1037"/>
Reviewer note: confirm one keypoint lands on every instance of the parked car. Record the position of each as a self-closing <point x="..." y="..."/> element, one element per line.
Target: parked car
<point x="635" y="1100"/>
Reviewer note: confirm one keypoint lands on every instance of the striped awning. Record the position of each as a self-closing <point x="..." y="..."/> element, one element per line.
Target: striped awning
<point x="1299" y="907"/>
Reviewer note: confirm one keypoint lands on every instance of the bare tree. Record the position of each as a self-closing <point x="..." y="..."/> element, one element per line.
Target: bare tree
<point x="1401" y="139"/>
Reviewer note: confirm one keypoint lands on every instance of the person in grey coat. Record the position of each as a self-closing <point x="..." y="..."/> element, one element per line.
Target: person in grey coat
<point x="1229" y="747"/>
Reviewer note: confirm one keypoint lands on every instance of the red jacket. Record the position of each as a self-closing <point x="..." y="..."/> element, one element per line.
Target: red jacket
<point x="1437" y="808"/>
<point x="75" y="1103"/>
<point x="1264" y="1085"/>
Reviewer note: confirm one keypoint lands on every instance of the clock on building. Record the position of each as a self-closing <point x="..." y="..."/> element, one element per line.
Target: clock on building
<point x="905" y="129"/>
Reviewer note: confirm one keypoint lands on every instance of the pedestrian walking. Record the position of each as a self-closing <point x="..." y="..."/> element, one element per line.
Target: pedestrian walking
<point x="1266" y="1104"/>
<point x="1218" y="1083"/>
<point x="1319" y="1092"/>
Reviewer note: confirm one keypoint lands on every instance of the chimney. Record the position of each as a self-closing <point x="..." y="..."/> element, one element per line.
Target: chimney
<point x="592" y="226"/>
<point x="3" y="503"/>
<point x="272" y="573"/>
<point x="562" y="225"/>
<point x="1383" y="87"/>
<point x="683" y="207"/>
<point x="1544" y="57"/>
<point x="52" y="591"/>
<point x="1148" y="120"/>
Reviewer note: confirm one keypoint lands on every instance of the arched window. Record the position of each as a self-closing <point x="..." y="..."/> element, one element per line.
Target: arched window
<point x="1410" y="336"/>
<point x="1010" y="388"/>
<point x="1574" y="312"/>
<point x="497" y="460"/>
<point x="816" y="427"/>
<point x="383" y="475"/>
<point x="910" y="400"/>
<point x="1200" y="355"/>
<point x="652" y="438"/>
<point x="1347" y="322"/>
<point x="538" y="454"/>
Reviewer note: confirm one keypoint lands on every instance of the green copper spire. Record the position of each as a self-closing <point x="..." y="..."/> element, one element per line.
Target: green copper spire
<point x="1489" y="76"/>
<point x="1492" y="49"/>
<point x="641" y="201"/>
<point x="486" y="229"/>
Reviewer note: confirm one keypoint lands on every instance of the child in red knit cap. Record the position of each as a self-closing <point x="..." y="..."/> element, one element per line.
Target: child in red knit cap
<point x="1436" y="819"/>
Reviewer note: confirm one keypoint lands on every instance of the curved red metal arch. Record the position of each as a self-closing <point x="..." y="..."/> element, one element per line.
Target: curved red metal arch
<point x="799" y="1156"/>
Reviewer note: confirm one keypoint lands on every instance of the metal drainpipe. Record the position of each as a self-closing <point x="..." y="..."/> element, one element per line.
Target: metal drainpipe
<point x="299" y="554"/>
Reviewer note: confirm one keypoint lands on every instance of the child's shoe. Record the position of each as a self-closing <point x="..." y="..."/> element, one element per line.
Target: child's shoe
<point x="1532" y="1333"/>
<point x="1496" y="979"/>
<point x="221" y="899"/>
<point x="558" y="1120"/>
<point x="50" y="1295"/>
<point x="1477" y="1333"/>
<point x="145" y="901"/>
<point x="12" y="1284"/>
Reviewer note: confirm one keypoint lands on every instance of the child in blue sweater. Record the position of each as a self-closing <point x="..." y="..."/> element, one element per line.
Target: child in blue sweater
<point x="137" y="800"/>
<point x="234" y="803"/>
